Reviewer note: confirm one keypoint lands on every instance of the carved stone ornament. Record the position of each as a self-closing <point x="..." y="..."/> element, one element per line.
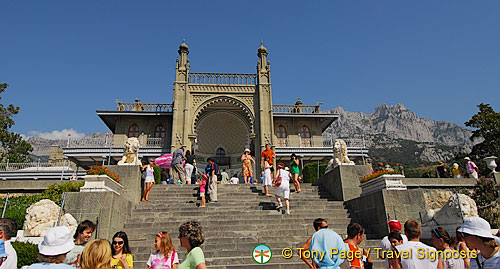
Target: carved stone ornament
<point x="131" y="148"/>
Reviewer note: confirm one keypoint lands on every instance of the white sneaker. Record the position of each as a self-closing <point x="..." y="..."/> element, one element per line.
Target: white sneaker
<point x="279" y="206"/>
<point x="287" y="212"/>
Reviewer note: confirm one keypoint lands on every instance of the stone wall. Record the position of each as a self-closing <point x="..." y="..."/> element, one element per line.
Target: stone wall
<point x="109" y="209"/>
<point x="29" y="186"/>
<point x="374" y="210"/>
<point x="343" y="181"/>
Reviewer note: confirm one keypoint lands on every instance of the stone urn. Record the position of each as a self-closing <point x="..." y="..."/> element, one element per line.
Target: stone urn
<point x="387" y="181"/>
<point x="490" y="162"/>
<point x="100" y="183"/>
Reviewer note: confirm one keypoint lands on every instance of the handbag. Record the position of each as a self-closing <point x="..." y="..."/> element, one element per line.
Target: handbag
<point x="277" y="181"/>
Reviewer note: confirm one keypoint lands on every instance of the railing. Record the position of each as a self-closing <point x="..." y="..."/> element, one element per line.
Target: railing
<point x="222" y="79"/>
<point x="147" y="107"/>
<point x="319" y="142"/>
<point x="295" y="109"/>
<point x="107" y="142"/>
<point x="36" y="166"/>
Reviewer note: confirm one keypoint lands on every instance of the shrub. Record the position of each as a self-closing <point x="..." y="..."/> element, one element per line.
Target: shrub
<point x="485" y="194"/>
<point x="27" y="253"/>
<point x="310" y="171"/>
<point x="16" y="207"/>
<point x="157" y="174"/>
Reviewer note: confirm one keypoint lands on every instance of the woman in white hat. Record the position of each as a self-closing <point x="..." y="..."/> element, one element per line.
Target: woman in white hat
<point x="477" y="234"/>
<point x="246" y="166"/>
<point x="52" y="250"/>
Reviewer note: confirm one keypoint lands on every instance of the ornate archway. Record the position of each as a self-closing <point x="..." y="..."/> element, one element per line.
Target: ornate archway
<point x="223" y="122"/>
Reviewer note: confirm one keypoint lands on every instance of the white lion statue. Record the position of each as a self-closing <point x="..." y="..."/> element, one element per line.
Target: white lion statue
<point x="130" y="154"/>
<point x="339" y="155"/>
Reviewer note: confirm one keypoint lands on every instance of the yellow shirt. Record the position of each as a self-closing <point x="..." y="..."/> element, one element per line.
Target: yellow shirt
<point x="117" y="264"/>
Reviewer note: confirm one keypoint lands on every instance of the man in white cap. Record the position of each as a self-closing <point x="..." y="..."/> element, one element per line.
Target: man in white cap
<point x="477" y="234"/>
<point x="52" y="250"/>
<point x="471" y="167"/>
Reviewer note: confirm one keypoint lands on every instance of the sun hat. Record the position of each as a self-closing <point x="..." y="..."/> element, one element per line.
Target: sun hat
<point x="467" y="158"/>
<point x="57" y="240"/>
<point x="394" y="225"/>
<point x="247" y="150"/>
<point x="455" y="165"/>
<point x="2" y="249"/>
<point x="476" y="226"/>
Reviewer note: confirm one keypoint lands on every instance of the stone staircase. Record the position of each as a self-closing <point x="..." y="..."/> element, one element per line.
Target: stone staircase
<point x="241" y="219"/>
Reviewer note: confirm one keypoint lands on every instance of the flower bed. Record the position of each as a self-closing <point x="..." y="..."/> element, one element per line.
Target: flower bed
<point x="102" y="170"/>
<point x="377" y="174"/>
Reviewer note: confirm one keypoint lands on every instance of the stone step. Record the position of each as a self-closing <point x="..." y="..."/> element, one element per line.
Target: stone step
<point x="260" y="218"/>
<point x="238" y="208"/>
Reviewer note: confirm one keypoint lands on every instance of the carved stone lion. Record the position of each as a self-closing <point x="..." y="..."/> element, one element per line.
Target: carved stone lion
<point x="339" y="155"/>
<point x="44" y="215"/>
<point x="131" y="148"/>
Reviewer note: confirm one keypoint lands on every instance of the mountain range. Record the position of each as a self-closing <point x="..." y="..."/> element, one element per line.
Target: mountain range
<point x="393" y="131"/>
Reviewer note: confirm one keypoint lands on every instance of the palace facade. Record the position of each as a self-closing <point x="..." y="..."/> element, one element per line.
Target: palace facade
<point x="214" y="115"/>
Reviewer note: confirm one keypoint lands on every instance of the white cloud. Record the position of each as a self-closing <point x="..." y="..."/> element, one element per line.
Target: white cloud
<point x="59" y="135"/>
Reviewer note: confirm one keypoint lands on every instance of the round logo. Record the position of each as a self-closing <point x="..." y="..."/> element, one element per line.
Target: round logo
<point x="261" y="254"/>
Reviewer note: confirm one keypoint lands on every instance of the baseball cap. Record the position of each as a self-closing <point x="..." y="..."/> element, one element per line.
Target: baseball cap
<point x="394" y="225"/>
<point x="476" y="226"/>
<point x="57" y="240"/>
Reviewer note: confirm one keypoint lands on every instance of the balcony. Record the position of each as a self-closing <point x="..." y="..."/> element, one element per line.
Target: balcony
<point x="109" y="149"/>
<point x="317" y="147"/>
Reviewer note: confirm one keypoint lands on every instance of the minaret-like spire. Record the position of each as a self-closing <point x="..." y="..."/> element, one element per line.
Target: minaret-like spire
<point x="263" y="64"/>
<point x="183" y="53"/>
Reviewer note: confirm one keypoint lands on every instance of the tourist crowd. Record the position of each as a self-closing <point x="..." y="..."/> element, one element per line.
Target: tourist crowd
<point x="474" y="247"/>
<point x="60" y="249"/>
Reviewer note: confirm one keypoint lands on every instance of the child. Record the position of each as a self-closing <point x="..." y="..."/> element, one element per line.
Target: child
<point x="203" y="184"/>
<point x="234" y="179"/>
<point x="165" y="256"/>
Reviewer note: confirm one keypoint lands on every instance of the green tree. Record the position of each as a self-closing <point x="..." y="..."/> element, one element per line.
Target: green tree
<point x="487" y="127"/>
<point x="13" y="146"/>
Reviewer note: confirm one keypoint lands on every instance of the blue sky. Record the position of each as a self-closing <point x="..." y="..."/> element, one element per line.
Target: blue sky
<point x="64" y="60"/>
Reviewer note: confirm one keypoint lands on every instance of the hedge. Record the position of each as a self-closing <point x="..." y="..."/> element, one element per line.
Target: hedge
<point x="16" y="207"/>
<point x="27" y="253"/>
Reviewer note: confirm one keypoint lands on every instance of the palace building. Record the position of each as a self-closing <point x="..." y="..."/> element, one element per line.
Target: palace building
<point x="214" y="115"/>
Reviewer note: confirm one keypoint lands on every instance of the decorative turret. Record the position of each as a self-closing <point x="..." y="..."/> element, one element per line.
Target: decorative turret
<point x="183" y="62"/>
<point x="263" y="64"/>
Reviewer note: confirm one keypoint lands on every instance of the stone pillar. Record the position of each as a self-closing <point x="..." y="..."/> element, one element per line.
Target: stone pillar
<point x="264" y="104"/>
<point x="181" y="115"/>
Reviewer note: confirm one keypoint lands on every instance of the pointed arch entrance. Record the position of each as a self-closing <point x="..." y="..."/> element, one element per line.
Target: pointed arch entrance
<point x="223" y="124"/>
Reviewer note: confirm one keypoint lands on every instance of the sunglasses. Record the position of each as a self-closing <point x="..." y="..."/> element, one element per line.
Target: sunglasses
<point x="118" y="242"/>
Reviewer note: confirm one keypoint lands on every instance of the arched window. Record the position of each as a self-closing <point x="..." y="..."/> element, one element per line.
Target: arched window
<point x="220" y="152"/>
<point x="160" y="131"/>
<point x="133" y="130"/>
<point x="305" y="136"/>
<point x="281" y="134"/>
<point x="220" y="157"/>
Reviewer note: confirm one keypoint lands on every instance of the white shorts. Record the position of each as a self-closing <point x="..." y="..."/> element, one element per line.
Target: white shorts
<point x="283" y="188"/>
<point x="149" y="180"/>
